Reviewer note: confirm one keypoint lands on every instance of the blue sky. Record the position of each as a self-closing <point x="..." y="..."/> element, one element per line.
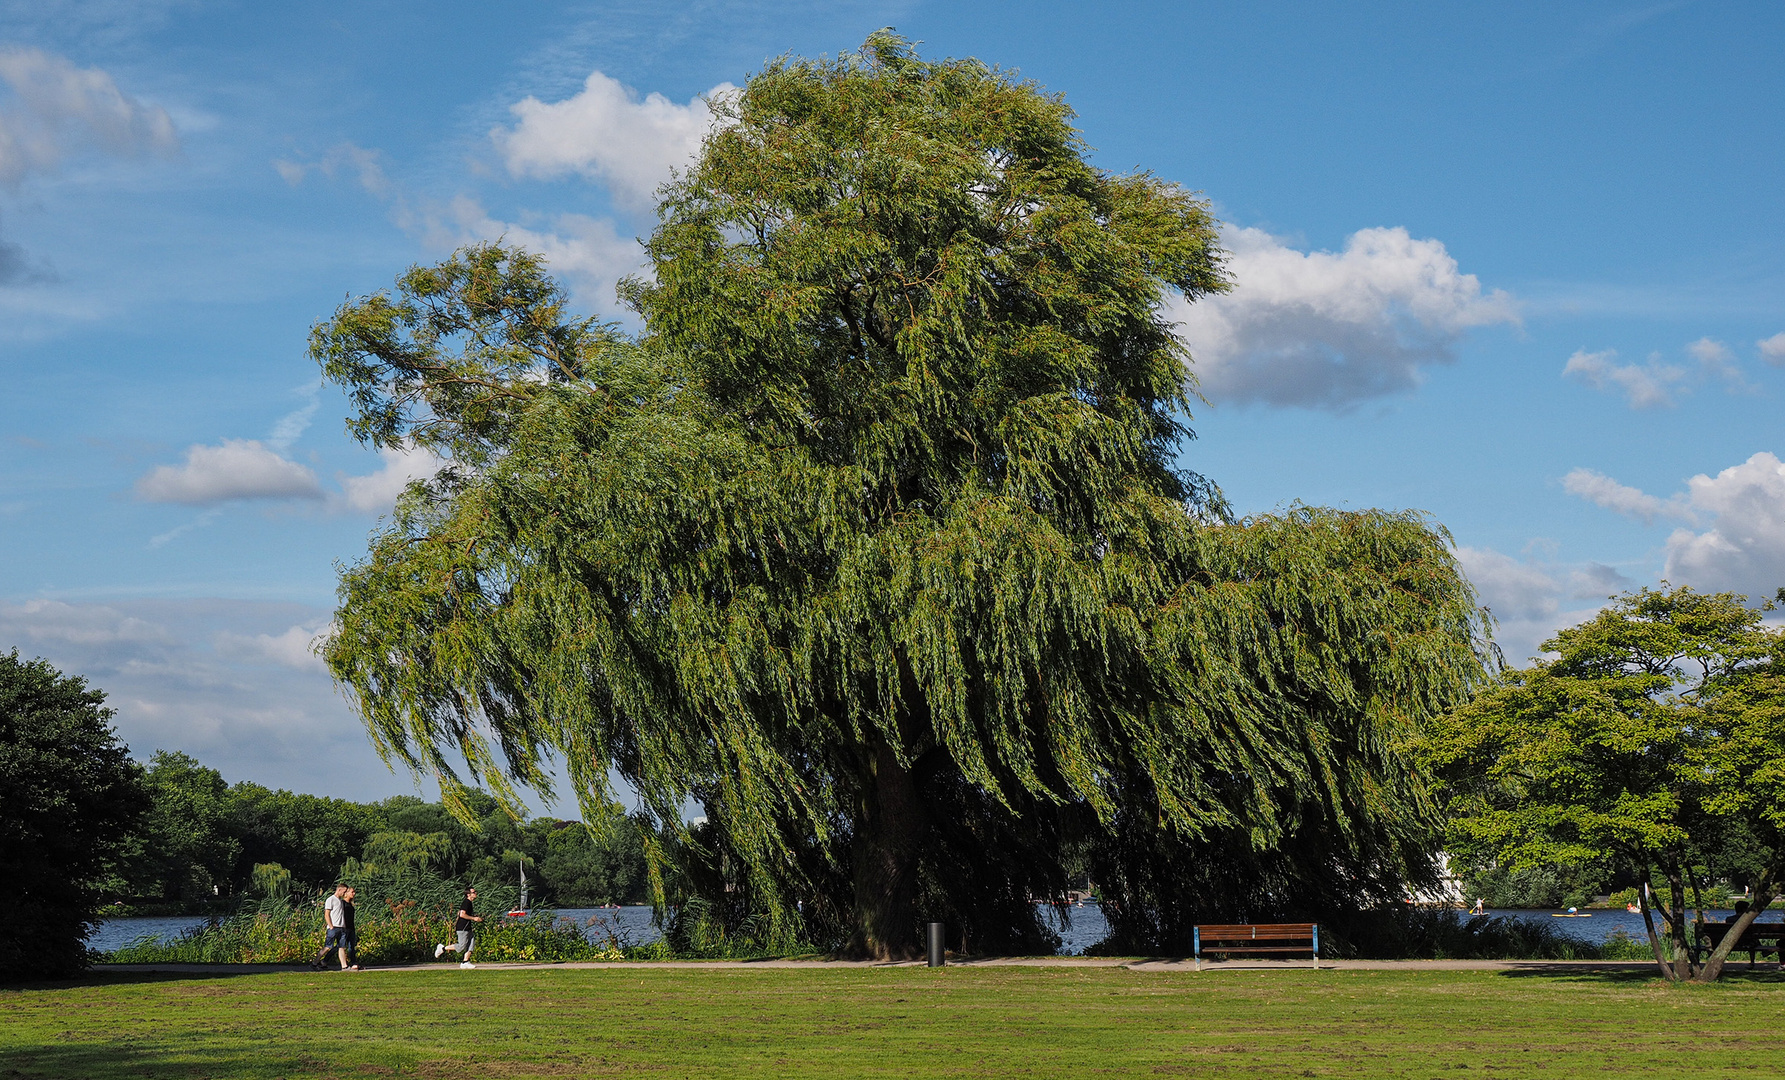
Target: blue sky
<point x="1519" y="266"/>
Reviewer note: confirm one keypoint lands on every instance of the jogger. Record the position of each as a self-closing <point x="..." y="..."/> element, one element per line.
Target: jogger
<point x="465" y="926"/>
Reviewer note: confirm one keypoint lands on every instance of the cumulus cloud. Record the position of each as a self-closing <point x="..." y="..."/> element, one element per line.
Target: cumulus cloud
<point x="1533" y="598"/>
<point x="1508" y="587"/>
<point x="1601" y="490"/>
<point x="589" y="254"/>
<point x="1744" y="548"/>
<point x="608" y="134"/>
<point x="1644" y="387"/>
<point x="377" y="492"/>
<point x="1736" y="538"/>
<point x="235" y="469"/>
<point x="1328" y="329"/>
<point x="58" y="109"/>
<point x="1772" y="349"/>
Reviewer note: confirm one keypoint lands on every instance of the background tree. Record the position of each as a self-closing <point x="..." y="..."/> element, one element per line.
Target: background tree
<point x="69" y="796"/>
<point x="874" y="543"/>
<point x="186" y="852"/>
<point x="1656" y="736"/>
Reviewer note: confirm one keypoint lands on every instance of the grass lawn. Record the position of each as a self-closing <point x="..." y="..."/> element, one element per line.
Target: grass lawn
<point x="990" y="1022"/>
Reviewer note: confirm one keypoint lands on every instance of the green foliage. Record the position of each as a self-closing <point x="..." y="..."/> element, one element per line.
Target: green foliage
<point x="402" y="913"/>
<point x="398" y="848"/>
<point x="201" y="832"/>
<point x="270" y="881"/>
<point x="193" y="853"/>
<point x="604" y="864"/>
<point x="1654" y="742"/>
<point x="1534" y="886"/>
<point x="69" y="797"/>
<point x="874" y="544"/>
<point x="1406" y="932"/>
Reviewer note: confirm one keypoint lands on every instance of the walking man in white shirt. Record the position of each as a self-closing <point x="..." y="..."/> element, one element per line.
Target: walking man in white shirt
<point x="334" y="925"/>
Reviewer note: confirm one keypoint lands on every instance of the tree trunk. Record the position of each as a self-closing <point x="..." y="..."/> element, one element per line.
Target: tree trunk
<point x="1648" y="920"/>
<point x="885" y="854"/>
<point x="1676" y="921"/>
<point x="1764" y="891"/>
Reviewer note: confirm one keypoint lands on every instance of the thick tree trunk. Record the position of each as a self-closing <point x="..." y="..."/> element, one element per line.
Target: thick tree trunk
<point x="1764" y="890"/>
<point x="885" y="855"/>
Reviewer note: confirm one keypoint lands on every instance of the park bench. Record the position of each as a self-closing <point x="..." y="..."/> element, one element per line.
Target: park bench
<point x="1261" y="938"/>
<point x="1762" y="937"/>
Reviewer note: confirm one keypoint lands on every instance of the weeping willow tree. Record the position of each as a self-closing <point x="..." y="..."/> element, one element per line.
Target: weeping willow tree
<point x="873" y="541"/>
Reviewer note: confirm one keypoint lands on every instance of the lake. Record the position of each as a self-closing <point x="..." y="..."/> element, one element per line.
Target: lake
<point x="632" y="925"/>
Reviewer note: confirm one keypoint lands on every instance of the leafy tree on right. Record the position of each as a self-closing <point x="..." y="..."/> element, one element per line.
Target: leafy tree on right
<point x="1655" y="739"/>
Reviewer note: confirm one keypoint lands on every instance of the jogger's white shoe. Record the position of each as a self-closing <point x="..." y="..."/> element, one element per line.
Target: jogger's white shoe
<point x="467" y="965"/>
<point x="438" y="949"/>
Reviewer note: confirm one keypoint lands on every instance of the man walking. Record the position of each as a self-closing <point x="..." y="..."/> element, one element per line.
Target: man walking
<point x="465" y="926"/>
<point x="334" y="928"/>
<point x="349" y="933"/>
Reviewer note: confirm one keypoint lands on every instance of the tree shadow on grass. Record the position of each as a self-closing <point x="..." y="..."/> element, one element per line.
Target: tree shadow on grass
<point x="157" y="1058"/>
<point x="1734" y="974"/>
<point x="103" y="976"/>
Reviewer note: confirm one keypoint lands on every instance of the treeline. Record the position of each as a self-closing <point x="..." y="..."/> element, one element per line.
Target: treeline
<point x="205" y="843"/>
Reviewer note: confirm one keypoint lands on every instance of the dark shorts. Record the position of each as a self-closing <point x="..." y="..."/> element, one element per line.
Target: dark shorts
<point x="335" y="938"/>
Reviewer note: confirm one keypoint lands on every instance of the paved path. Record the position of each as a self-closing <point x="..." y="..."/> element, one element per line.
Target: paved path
<point x="1131" y="963"/>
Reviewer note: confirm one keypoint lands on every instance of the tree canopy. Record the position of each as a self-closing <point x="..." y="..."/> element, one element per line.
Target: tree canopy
<point x="69" y="796"/>
<point x="874" y="541"/>
<point x="1656" y="734"/>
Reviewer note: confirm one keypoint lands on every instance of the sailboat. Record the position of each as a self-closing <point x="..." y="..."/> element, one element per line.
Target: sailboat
<point x="521" y="911"/>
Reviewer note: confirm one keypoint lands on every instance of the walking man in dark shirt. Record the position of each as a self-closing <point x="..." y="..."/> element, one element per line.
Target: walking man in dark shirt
<point x="350" y="947"/>
<point x="465" y="926"/>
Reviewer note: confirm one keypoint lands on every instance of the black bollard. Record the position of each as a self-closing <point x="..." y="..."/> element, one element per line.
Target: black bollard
<point x="937" y="957"/>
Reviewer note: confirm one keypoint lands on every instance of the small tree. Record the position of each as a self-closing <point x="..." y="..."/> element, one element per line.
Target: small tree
<point x="1657" y="731"/>
<point x="69" y="796"/>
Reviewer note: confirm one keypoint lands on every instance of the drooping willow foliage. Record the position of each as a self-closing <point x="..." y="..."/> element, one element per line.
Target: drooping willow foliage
<point x="874" y="544"/>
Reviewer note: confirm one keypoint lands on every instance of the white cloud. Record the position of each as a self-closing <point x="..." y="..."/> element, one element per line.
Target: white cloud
<point x="606" y="133"/>
<point x="1602" y="490"/>
<point x="1509" y="588"/>
<point x="44" y="621"/>
<point x="229" y="681"/>
<point x="236" y="469"/>
<point x="1744" y="549"/>
<point x="1715" y="360"/>
<point x="295" y="423"/>
<point x="377" y="492"/>
<point x="294" y="648"/>
<point x="588" y="254"/>
<point x="367" y="166"/>
<point x="1772" y="349"/>
<point x="1530" y="599"/>
<point x="60" y="109"/>
<point x="1331" y="329"/>
<point x="1644" y="387"/>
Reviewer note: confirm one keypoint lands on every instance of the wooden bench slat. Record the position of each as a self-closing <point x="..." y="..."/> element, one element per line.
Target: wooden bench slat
<point x="1253" y="938"/>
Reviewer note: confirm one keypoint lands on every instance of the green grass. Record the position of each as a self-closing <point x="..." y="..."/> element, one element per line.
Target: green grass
<point x="990" y="1022"/>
